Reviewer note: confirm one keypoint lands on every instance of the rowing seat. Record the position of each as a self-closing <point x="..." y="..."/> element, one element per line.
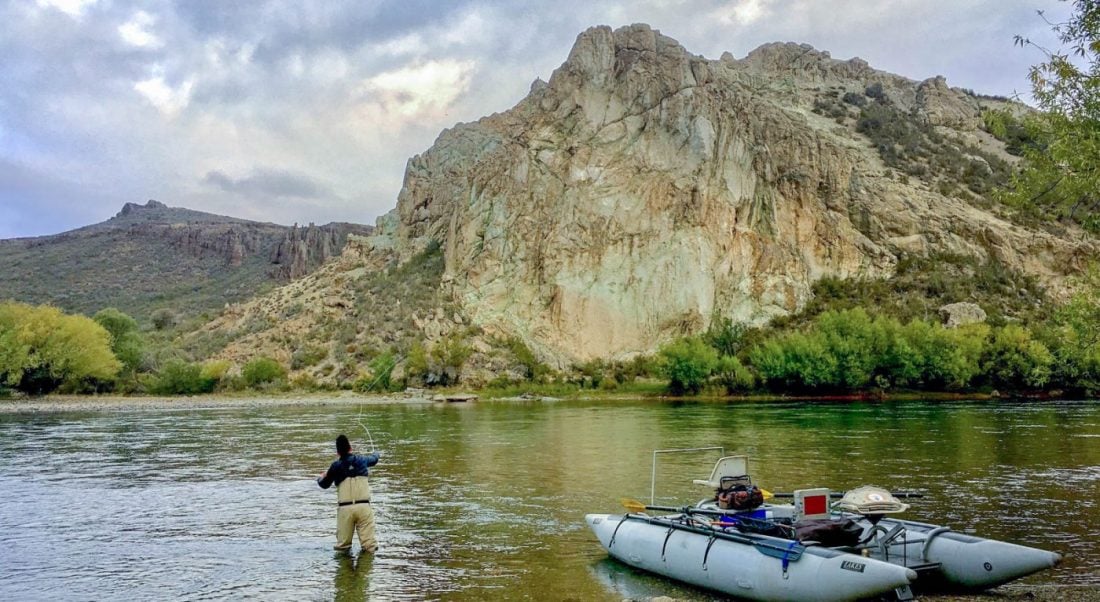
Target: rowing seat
<point x="728" y="467"/>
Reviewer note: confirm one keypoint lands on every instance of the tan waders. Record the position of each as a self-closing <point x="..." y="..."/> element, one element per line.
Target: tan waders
<point x="354" y="514"/>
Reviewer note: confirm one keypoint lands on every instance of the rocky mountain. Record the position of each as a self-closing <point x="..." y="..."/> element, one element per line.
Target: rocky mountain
<point x="153" y="256"/>
<point x="645" y="190"/>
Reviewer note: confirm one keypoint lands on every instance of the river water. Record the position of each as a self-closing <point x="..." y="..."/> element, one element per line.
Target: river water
<point x="486" y="501"/>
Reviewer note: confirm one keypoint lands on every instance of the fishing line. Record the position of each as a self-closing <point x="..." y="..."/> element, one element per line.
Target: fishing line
<point x="359" y="418"/>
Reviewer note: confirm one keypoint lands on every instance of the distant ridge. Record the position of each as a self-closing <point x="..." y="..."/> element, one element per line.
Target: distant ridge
<point x="154" y="256"/>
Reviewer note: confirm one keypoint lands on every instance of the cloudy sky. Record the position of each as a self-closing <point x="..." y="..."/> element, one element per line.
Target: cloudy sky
<point x="300" y="111"/>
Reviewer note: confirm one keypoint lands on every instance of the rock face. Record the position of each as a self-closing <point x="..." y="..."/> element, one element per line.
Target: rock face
<point x="644" y="190"/>
<point x="303" y="250"/>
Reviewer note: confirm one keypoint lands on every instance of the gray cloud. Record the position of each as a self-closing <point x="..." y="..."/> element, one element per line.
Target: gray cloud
<point x="262" y="183"/>
<point x="340" y="94"/>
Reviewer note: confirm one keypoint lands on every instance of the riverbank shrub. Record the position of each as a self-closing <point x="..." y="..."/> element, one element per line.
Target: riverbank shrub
<point x="850" y="350"/>
<point x="178" y="377"/>
<point x="1013" y="360"/>
<point x="43" y="350"/>
<point x="1073" y="337"/>
<point x="379" y="377"/>
<point x="734" y="376"/>
<point x="126" y="341"/>
<point x="688" y="363"/>
<point x="262" y="371"/>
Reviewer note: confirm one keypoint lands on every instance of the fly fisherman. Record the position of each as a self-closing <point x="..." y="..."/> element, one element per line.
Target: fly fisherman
<point x="353" y="512"/>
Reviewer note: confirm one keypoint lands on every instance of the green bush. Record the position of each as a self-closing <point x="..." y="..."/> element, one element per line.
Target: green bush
<point x="1073" y="336"/>
<point x="1014" y="360"/>
<point x="688" y="363"/>
<point x="849" y="350"/>
<point x="734" y="376"/>
<point x="43" y="350"/>
<point x="533" y="369"/>
<point x="126" y="341"/>
<point x="794" y="361"/>
<point x="164" y="319"/>
<point x="379" y="377"/>
<point x="725" y="335"/>
<point x="590" y="374"/>
<point x="181" y="378"/>
<point x="262" y="371"/>
<point x="448" y="357"/>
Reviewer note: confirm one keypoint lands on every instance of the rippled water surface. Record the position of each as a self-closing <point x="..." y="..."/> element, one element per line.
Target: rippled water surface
<point x="486" y="500"/>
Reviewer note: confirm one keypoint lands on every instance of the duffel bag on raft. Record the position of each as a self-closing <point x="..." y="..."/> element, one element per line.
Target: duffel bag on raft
<point x="737" y="493"/>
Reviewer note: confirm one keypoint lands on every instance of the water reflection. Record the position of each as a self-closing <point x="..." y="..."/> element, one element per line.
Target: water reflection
<point x="350" y="583"/>
<point x="487" y="501"/>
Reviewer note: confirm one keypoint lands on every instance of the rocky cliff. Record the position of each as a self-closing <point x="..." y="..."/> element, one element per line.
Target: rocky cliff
<point x="303" y="250"/>
<point x="644" y="189"/>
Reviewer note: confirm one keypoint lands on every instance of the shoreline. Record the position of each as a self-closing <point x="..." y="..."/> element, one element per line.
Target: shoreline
<point x="254" y="399"/>
<point x="105" y="403"/>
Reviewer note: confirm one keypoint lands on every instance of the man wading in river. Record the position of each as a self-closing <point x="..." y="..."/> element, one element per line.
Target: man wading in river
<point x="353" y="512"/>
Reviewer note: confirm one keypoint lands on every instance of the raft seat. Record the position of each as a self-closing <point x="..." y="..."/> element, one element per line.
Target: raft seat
<point x="729" y="466"/>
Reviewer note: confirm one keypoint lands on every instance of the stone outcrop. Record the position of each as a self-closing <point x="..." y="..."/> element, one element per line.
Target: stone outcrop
<point x="961" y="314"/>
<point x="644" y="190"/>
<point x="303" y="250"/>
<point x="942" y="106"/>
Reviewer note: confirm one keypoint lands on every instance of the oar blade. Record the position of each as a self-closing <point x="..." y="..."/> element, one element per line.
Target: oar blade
<point x="633" y="506"/>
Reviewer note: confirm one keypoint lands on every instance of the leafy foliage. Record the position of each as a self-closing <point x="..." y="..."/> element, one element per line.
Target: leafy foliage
<point x="447" y="359"/>
<point x="126" y="340"/>
<point x="1074" y="337"/>
<point x="262" y="371"/>
<point x="734" y="376"/>
<point x="43" y="349"/>
<point x="1014" y="360"/>
<point x="182" y="378"/>
<point x="850" y="350"/>
<point x="688" y="363"/>
<point x="380" y="376"/>
<point x="1061" y="177"/>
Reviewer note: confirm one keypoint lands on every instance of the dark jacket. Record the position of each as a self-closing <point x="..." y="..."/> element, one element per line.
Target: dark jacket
<point x="351" y="465"/>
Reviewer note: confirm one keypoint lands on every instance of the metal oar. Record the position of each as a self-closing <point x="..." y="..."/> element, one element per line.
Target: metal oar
<point x="637" y="507"/>
<point x="840" y="494"/>
<point x="792" y="551"/>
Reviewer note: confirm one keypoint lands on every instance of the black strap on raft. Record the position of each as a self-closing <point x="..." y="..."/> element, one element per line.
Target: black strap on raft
<point x="713" y="538"/>
<point x="616" y="531"/>
<point x="665" y="545"/>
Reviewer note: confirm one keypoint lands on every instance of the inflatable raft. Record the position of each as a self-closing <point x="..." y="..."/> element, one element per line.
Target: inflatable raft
<point x="750" y="566"/>
<point x="761" y="553"/>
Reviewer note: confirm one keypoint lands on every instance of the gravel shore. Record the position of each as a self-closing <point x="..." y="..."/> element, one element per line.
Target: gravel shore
<point x="95" y="403"/>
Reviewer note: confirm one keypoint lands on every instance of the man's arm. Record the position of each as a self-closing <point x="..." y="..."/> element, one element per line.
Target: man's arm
<point x="372" y="458"/>
<point x="325" y="480"/>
